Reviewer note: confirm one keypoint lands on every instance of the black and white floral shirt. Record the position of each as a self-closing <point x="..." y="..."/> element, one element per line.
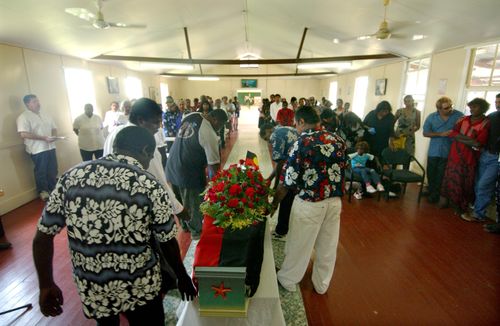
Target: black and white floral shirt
<point x="112" y="208"/>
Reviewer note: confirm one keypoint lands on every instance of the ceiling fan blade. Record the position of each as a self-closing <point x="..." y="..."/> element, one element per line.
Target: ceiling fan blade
<point x="123" y="25"/>
<point x="81" y="13"/>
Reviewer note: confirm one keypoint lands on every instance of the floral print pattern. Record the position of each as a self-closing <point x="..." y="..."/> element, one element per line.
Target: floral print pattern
<point x="112" y="209"/>
<point x="315" y="166"/>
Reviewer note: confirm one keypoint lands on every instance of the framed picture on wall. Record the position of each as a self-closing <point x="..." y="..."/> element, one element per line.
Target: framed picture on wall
<point x="113" y="87"/>
<point x="380" y="86"/>
<point x="152" y="93"/>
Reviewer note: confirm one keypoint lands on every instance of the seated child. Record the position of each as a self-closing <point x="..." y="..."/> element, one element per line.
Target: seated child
<point x="358" y="164"/>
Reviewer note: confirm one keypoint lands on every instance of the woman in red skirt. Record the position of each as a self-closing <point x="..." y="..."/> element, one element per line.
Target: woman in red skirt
<point x="470" y="134"/>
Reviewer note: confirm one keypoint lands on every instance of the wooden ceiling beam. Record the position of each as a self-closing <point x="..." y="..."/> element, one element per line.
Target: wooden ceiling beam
<point x="188" y="45"/>
<point x="250" y="75"/>
<point x="257" y="61"/>
<point x="300" y="47"/>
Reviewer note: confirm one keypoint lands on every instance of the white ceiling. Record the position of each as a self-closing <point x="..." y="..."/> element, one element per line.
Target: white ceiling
<point x="218" y="29"/>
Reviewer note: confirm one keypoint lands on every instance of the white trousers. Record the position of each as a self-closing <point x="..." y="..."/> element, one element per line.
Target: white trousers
<point x="313" y="225"/>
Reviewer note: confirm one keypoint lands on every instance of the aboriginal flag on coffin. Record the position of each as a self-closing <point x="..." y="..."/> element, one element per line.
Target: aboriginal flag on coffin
<point x="232" y="248"/>
<point x="220" y="247"/>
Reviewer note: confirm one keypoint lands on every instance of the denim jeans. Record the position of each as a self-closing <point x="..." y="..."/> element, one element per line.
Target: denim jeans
<point x="368" y="175"/>
<point x="45" y="170"/>
<point x="486" y="178"/>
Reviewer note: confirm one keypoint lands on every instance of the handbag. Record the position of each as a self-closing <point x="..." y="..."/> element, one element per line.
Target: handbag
<point x="399" y="142"/>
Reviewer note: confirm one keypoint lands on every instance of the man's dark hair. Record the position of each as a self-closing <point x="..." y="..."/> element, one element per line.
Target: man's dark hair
<point x="308" y="114"/>
<point x="498" y="95"/>
<point x="327" y="114"/>
<point x="219" y="115"/>
<point x="384" y="105"/>
<point x="28" y="98"/>
<point x="133" y="139"/>
<point x="264" y="127"/>
<point x="293" y="99"/>
<point x="481" y="103"/>
<point x="144" y="108"/>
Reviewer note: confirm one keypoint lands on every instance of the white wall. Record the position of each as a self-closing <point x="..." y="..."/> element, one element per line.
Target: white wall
<point x="25" y="71"/>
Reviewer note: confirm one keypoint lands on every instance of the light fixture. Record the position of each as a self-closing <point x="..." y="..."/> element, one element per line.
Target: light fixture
<point x="200" y="78"/>
<point x="166" y="65"/>
<point x="249" y="56"/>
<point x="336" y="41"/>
<point x="417" y="37"/>
<point x="335" y="64"/>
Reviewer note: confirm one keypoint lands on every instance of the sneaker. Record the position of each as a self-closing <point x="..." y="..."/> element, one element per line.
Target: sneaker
<point x="392" y="194"/>
<point x="279" y="237"/>
<point x="471" y="217"/>
<point x="358" y="195"/>
<point x="44" y="195"/>
<point x="370" y="189"/>
<point x="492" y="228"/>
<point x="380" y="187"/>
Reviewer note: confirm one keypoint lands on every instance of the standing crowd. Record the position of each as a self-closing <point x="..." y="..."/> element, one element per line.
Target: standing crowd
<point x="144" y="165"/>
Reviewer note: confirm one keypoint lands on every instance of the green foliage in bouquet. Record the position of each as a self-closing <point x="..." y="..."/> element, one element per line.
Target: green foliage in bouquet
<point x="237" y="197"/>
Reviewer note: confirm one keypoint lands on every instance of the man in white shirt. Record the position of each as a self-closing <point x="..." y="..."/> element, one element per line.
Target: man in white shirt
<point x="146" y="113"/>
<point x="39" y="132"/>
<point x="112" y="117"/>
<point x="88" y="127"/>
<point x="275" y="107"/>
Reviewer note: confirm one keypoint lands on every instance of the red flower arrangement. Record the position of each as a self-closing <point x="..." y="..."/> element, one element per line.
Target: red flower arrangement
<point x="237" y="197"/>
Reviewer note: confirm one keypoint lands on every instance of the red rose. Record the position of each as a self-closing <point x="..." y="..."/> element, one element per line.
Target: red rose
<point x="235" y="190"/>
<point x="233" y="202"/>
<point x="249" y="174"/>
<point x="212" y="196"/>
<point x="250" y="204"/>
<point x="250" y="192"/>
<point x="219" y="187"/>
<point x="244" y="200"/>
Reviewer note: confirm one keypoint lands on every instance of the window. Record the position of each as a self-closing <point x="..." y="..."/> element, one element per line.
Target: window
<point x="484" y="76"/>
<point x="164" y="92"/>
<point x="133" y="88"/>
<point x="359" y="99"/>
<point x="417" y="74"/>
<point x="80" y="88"/>
<point x="332" y="95"/>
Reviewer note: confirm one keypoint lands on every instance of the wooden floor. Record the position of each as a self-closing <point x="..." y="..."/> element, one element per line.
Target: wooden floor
<point x="398" y="263"/>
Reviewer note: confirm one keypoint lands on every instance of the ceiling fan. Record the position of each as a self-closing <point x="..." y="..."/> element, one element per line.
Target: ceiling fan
<point x="97" y="20"/>
<point x="383" y="31"/>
